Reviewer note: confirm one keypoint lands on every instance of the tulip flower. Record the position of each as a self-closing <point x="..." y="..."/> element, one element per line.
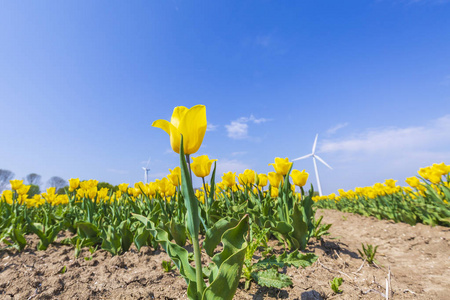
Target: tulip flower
<point x="299" y="178"/>
<point x="16" y="184"/>
<point x="229" y="179"/>
<point x="191" y="123"/>
<point x="262" y="180"/>
<point x="201" y="165"/>
<point x="74" y="183"/>
<point x="275" y="179"/>
<point x="281" y="165"/>
<point x="123" y="187"/>
<point x="175" y="176"/>
<point x="413" y="181"/>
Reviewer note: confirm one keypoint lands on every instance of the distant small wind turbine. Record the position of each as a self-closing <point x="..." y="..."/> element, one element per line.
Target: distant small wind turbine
<point x="314" y="156"/>
<point x="146" y="169"/>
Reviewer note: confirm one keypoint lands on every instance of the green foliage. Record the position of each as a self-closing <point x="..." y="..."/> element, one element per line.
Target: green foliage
<point x="272" y="278"/>
<point x="368" y="253"/>
<point x="335" y="284"/>
<point x="168" y="266"/>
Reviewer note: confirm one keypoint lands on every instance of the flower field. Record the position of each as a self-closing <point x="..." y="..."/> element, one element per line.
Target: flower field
<point x="426" y="200"/>
<point x="224" y="239"/>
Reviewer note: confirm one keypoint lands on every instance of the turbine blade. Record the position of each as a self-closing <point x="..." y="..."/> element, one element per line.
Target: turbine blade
<point x="303" y="157"/>
<point x="148" y="161"/>
<point x="315" y="143"/>
<point x="322" y="161"/>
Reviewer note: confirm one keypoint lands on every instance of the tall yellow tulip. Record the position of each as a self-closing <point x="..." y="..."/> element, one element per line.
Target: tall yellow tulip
<point x="229" y="179"/>
<point x="201" y="165"/>
<point x="175" y="176"/>
<point x="191" y="123"/>
<point x="299" y="178"/>
<point x="281" y="165"/>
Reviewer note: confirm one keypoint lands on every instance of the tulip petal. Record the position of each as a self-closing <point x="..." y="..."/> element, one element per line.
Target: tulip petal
<point x="172" y="131"/>
<point x="163" y="124"/>
<point x="193" y="128"/>
<point x="178" y="114"/>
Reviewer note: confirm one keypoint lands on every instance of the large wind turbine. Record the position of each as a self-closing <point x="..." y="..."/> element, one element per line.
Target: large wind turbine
<point x="314" y="156"/>
<point x="146" y="169"/>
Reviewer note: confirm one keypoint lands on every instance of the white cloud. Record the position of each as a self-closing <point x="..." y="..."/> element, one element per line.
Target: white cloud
<point x="117" y="171"/>
<point x="391" y="139"/>
<point x="333" y="129"/>
<point x="374" y="155"/>
<point x="238" y="153"/>
<point x="238" y="129"/>
<point x="211" y="127"/>
<point x="230" y="165"/>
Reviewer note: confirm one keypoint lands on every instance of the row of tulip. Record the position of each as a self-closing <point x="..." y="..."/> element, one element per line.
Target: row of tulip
<point x="425" y="200"/>
<point x="169" y="212"/>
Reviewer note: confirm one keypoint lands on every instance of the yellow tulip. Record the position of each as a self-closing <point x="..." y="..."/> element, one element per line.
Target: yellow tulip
<point x="201" y="165"/>
<point x="273" y="192"/>
<point x="275" y="179"/>
<point x="390" y="183"/>
<point x="262" y="180"/>
<point x="299" y="178"/>
<point x="229" y="179"/>
<point x="413" y="181"/>
<point x="123" y="187"/>
<point x="281" y="165"/>
<point x="16" y="184"/>
<point x="175" y="176"/>
<point x="191" y="123"/>
<point x="74" y="183"/>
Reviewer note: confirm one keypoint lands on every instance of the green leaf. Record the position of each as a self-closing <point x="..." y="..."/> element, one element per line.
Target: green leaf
<point x="179" y="255"/>
<point x="191" y="202"/>
<point x="335" y="284"/>
<point x="271" y="278"/>
<point x="178" y="232"/>
<point x="19" y="239"/>
<point x="225" y="279"/>
<point x="214" y="234"/>
<point x="141" y="238"/>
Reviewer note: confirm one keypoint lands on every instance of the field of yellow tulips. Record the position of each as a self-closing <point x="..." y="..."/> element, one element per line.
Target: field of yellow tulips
<point x="240" y="212"/>
<point x="425" y="200"/>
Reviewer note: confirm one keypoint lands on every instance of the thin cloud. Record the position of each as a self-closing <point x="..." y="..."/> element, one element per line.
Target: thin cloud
<point x="238" y="129"/>
<point x="211" y="127"/>
<point x="116" y="171"/>
<point x="434" y="134"/>
<point x="230" y="165"/>
<point x="238" y="153"/>
<point x="334" y="129"/>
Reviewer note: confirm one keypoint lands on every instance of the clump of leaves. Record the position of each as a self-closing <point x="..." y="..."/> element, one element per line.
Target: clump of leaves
<point x="265" y="272"/>
<point x="368" y="253"/>
<point x="168" y="266"/>
<point x="335" y="284"/>
<point x="320" y="229"/>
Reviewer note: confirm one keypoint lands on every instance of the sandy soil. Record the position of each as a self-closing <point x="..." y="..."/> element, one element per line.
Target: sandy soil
<point x="415" y="258"/>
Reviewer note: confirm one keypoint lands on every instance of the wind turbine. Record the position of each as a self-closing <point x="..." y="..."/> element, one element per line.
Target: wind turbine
<point x="314" y="156"/>
<point x="146" y="169"/>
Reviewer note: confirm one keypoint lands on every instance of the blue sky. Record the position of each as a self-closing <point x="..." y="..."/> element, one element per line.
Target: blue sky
<point x="81" y="82"/>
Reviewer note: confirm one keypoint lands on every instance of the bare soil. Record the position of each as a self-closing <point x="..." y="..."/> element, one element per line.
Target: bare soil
<point x="414" y="261"/>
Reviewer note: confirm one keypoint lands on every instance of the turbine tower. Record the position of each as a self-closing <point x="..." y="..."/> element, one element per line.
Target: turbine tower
<point x="314" y="156"/>
<point x="146" y="169"/>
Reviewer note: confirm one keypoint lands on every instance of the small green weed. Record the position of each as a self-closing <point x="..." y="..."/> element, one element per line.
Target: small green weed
<point x="368" y="253"/>
<point x="335" y="284"/>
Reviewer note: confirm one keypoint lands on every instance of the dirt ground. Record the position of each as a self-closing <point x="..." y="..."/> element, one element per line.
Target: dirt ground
<point x="413" y="260"/>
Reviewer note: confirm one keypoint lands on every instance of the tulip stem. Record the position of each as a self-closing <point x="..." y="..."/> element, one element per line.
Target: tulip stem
<point x="188" y="160"/>
<point x="206" y="199"/>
